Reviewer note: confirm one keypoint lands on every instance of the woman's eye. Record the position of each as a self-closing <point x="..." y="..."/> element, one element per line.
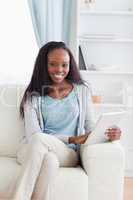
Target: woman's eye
<point x="56" y="65"/>
<point x="65" y="65"/>
<point x="51" y="64"/>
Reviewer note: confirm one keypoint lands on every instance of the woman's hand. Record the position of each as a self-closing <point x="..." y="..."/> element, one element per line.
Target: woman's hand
<point x="78" y="139"/>
<point x="113" y="133"/>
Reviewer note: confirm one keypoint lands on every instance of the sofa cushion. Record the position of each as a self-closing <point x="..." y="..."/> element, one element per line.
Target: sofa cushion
<point x="9" y="171"/>
<point x="11" y="126"/>
<point x="72" y="181"/>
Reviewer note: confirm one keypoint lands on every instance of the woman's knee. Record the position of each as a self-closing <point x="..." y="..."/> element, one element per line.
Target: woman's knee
<point x="32" y="149"/>
<point x="35" y="138"/>
<point x="51" y="160"/>
<point x="36" y="145"/>
<point x="44" y="140"/>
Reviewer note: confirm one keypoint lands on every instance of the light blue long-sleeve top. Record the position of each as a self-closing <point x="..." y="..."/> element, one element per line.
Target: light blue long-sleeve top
<point x="61" y="116"/>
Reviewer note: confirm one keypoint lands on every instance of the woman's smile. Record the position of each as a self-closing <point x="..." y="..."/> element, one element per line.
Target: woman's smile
<point x="58" y="65"/>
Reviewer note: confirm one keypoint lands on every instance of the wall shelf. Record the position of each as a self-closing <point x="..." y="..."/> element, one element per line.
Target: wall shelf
<point x="119" y="40"/>
<point x="114" y="13"/>
<point x="112" y="105"/>
<point x="89" y="72"/>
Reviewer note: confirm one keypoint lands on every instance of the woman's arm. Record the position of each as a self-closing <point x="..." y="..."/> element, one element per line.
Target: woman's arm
<point x="89" y="121"/>
<point x="89" y="111"/>
<point x="31" y="121"/>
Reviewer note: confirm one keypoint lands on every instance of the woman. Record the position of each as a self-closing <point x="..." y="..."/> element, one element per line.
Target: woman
<point x="56" y="108"/>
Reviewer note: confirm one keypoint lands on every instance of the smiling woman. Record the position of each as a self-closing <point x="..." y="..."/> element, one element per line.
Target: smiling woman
<point x="57" y="111"/>
<point x="17" y="42"/>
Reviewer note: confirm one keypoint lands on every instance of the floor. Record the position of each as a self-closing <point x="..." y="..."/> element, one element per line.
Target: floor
<point x="128" y="189"/>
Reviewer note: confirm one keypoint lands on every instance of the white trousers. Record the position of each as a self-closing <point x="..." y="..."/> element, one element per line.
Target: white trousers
<point x="40" y="160"/>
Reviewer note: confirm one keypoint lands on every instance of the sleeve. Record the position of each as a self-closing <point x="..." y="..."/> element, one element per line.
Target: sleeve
<point x="89" y="111"/>
<point x="31" y="121"/>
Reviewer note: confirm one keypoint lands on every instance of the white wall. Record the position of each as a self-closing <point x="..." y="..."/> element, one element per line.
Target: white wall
<point x="18" y="48"/>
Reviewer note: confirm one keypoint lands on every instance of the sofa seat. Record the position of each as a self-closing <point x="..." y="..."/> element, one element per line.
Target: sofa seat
<point x="70" y="178"/>
<point x="72" y="181"/>
<point x="9" y="171"/>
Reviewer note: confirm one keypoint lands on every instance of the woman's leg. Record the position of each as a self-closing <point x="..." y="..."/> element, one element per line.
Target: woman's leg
<point x="38" y="167"/>
<point x="67" y="157"/>
<point x="43" y="189"/>
<point x="31" y="159"/>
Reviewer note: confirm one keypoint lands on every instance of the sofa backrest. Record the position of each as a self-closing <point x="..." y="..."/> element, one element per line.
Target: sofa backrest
<point x="11" y="125"/>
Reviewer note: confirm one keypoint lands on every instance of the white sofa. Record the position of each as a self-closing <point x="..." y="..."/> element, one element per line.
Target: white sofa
<point x="105" y="162"/>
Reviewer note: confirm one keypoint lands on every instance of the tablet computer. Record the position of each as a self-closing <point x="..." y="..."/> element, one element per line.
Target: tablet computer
<point x="105" y="121"/>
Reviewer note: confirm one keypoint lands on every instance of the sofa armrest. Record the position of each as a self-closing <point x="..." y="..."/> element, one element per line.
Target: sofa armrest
<point x="104" y="164"/>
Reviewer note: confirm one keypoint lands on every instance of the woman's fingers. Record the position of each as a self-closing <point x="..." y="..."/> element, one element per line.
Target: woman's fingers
<point x="80" y="139"/>
<point x="113" y="130"/>
<point x="113" y="133"/>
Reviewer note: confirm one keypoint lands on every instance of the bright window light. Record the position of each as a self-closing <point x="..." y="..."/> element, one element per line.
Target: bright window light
<point x="18" y="47"/>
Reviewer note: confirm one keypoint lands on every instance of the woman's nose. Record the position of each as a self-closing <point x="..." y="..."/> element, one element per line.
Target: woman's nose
<point x="59" y="68"/>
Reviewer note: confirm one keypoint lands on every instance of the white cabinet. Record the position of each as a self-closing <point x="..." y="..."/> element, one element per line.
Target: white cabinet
<point x="106" y="39"/>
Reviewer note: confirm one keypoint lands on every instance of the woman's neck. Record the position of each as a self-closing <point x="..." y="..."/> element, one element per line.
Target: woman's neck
<point x="60" y="90"/>
<point x="61" y="86"/>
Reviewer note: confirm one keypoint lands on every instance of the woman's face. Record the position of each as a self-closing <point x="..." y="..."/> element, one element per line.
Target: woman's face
<point x="58" y="65"/>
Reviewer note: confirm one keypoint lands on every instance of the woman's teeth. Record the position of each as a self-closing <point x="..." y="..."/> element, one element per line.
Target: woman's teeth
<point x="58" y="75"/>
